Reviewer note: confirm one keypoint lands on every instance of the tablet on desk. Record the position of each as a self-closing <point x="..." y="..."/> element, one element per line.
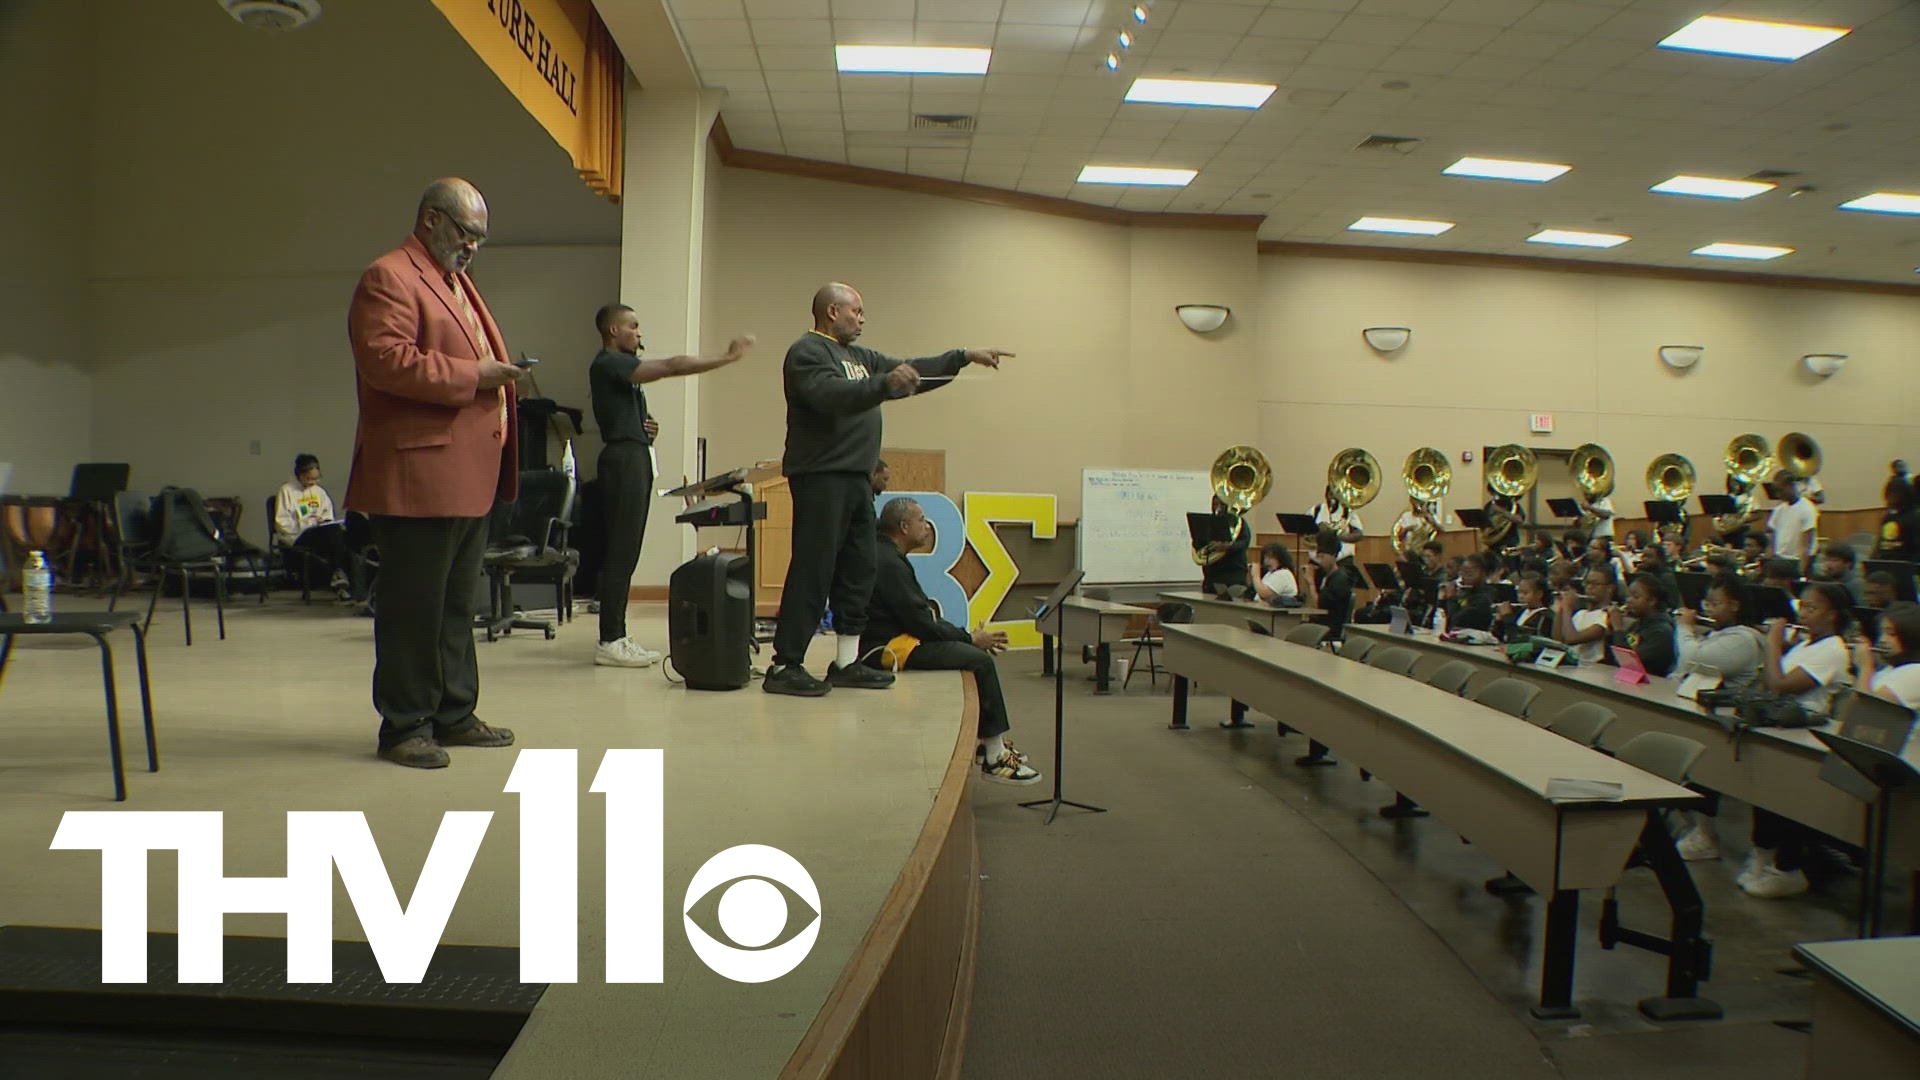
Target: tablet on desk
<point x="1631" y="669"/>
<point x="1397" y="620"/>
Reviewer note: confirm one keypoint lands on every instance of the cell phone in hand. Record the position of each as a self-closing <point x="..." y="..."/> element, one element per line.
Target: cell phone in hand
<point x="525" y="362"/>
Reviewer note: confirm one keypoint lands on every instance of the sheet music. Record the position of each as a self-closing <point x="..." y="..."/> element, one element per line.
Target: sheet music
<point x="1564" y="789"/>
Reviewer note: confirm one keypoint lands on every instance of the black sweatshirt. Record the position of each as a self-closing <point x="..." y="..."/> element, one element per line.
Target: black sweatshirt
<point x="833" y="397"/>
<point x="899" y="606"/>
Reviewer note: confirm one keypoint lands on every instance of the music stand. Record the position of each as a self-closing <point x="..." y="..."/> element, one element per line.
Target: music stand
<point x="1661" y="512"/>
<point x="1299" y="526"/>
<point x="1381" y="575"/>
<point x="1888" y="773"/>
<point x="1475" y="518"/>
<point x="1049" y="607"/>
<point x="1719" y="505"/>
<point x="1564" y="508"/>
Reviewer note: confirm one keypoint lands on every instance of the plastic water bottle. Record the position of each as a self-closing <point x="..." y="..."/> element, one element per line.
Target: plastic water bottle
<point x="37" y="584"/>
<point x="567" y="463"/>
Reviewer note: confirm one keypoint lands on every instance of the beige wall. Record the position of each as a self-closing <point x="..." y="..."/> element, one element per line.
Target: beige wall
<point x="45" y="329"/>
<point x="1103" y="367"/>
<point x="1490" y="347"/>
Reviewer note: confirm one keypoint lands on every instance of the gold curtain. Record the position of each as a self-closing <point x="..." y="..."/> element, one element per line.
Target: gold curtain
<point x="600" y="156"/>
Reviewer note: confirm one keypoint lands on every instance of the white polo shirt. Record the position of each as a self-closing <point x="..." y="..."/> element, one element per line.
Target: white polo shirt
<point x="1793" y="525"/>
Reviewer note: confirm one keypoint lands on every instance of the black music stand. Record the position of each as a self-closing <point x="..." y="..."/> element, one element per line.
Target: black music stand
<point x="1719" y="505"/>
<point x="1564" y="508"/>
<point x="735" y="483"/>
<point x="1888" y="773"/>
<point x="1299" y="526"/>
<point x="1661" y="513"/>
<point x="1048" y="607"/>
<point x="1476" y="519"/>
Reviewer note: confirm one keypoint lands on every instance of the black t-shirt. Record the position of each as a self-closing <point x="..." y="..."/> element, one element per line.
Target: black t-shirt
<point x="1336" y="598"/>
<point x="619" y="404"/>
<point x="1900" y="537"/>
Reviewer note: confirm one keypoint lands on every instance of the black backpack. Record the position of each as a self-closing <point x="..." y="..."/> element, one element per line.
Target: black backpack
<point x="183" y="530"/>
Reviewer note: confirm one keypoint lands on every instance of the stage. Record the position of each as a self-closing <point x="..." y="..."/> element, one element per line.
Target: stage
<point x="867" y="789"/>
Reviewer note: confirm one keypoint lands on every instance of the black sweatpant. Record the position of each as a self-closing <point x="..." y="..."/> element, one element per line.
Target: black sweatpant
<point x="626" y="491"/>
<point x="1791" y="842"/>
<point x="832" y="562"/>
<point x="966" y="656"/>
<point x="426" y="678"/>
<point x="332" y="547"/>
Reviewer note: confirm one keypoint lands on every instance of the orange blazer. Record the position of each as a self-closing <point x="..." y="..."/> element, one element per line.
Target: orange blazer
<point x="430" y="442"/>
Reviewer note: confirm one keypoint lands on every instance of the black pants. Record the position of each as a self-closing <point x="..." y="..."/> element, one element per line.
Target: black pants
<point x="626" y="491"/>
<point x="1790" y="841"/>
<point x="426" y="678"/>
<point x="966" y="656"/>
<point x="332" y="547"/>
<point x="832" y="563"/>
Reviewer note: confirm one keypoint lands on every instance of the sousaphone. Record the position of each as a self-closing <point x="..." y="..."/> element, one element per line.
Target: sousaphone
<point x="1511" y="472"/>
<point x="1670" y="478"/>
<point x="1427" y="475"/>
<point x="1240" y="478"/>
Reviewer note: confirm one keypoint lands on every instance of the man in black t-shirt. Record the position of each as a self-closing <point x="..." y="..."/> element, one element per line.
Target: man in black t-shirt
<point x="1333" y="591"/>
<point x="626" y="463"/>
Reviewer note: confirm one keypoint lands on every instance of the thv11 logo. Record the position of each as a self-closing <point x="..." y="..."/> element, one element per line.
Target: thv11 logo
<point x="754" y="882"/>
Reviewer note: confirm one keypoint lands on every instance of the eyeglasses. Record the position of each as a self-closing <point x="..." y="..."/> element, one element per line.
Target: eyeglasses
<point x="476" y="237"/>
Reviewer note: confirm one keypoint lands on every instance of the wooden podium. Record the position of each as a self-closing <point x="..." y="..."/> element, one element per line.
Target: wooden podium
<point x="913" y="470"/>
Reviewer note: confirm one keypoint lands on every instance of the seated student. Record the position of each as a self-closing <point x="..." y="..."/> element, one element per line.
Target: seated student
<point x="303" y="517"/>
<point x="1277" y="584"/>
<point x="1753" y="553"/>
<point x="1542" y="548"/>
<point x="1736" y="650"/>
<point x="1813" y="669"/>
<point x="1433" y="557"/>
<point x="1896" y="679"/>
<point x="1644" y="625"/>
<point x="1469" y="604"/>
<point x="903" y="633"/>
<point x="1574" y="545"/>
<point x="1879" y="590"/>
<point x="1837" y="564"/>
<point x="1635" y="542"/>
<point x="1531" y="617"/>
<point x="1230" y="569"/>
<point x="1561" y="575"/>
<point x="1584" y="625"/>
<point x="1335" y="598"/>
<point x="1655" y="561"/>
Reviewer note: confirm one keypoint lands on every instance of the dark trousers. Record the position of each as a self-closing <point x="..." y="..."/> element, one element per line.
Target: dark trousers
<point x="332" y="547"/>
<point x="626" y="491"/>
<point x="1790" y="841"/>
<point x="966" y="656"/>
<point x="832" y="562"/>
<point x="426" y="678"/>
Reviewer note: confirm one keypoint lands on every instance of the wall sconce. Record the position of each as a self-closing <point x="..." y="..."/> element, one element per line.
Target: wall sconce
<point x="1386" y="339"/>
<point x="1681" y="357"/>
<point x="1824" y="364"/>
<point x="1202" y="318"/>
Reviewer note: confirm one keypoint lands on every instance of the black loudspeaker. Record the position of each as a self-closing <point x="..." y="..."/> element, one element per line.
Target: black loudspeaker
<point x="710" y="622"/>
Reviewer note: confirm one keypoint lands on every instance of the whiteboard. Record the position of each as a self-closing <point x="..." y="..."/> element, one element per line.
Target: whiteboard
<point x="1133" y="524"/>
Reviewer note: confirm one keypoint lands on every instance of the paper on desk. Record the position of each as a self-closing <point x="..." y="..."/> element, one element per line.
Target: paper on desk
<point x="1561" y="789"/>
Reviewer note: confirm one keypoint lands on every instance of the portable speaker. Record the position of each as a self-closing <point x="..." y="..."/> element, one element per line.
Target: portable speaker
<point x="710" y="622"/>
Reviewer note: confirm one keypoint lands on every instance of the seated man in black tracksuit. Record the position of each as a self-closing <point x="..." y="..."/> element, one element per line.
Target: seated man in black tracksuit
<point x="903" y="633"/>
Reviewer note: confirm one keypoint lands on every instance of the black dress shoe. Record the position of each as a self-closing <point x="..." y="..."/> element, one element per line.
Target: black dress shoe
<point x="859" y="677"/>
<point x="793" y="679"/>
<point x="477" y="735"/>
<point x="419" y="752"/>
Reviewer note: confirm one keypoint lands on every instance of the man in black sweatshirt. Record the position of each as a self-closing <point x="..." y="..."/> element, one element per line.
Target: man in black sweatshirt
<point x="834" y="390"/>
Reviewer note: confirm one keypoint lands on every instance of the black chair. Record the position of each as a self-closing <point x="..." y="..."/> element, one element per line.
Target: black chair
<point x="1170" y="613"/>
<point x="133" y="539"/>
<point x="185" y="543"/>
<point x="296" y="561"/>
<point x="226" y="514"/>
<point x="543" y="511"/>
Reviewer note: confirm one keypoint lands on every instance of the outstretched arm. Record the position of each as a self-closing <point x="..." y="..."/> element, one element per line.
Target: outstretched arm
<point x="675" y="366"/>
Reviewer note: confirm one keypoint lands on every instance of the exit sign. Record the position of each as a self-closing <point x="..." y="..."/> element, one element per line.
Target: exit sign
<point x="1540" y="423"/>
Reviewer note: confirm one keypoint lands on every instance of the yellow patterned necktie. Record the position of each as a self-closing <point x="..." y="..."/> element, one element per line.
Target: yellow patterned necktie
<point x="479" y="335"/>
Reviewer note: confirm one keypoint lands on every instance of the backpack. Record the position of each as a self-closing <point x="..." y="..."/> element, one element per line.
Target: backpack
<point x="183" y="530"/>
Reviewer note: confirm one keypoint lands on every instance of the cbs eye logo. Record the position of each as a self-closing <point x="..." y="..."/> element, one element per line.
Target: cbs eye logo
<point x="766" y="908"/>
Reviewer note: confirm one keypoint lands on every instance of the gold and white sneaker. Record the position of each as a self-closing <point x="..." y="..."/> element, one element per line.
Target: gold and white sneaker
<point x="624" y="653"/>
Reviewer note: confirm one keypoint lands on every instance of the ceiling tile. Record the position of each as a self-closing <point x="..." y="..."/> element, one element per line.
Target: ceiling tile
<point x="1375" y="29"/>
<point x="1487" y="12"/>
<point x="1035" y="36"/>
<point x="797" y="58"/>
<point x="1048" y="12"/>
<point x="787" y="9"/>
<point x="726" y="57"/>
<point x="803" y="82"/>
<point x="700" y="32"/>
<point x="972" y="35"/>
<point x="1520" y="43"/>
<point x="685" y="10"/>
<point x="749" y="80"/>
<point x="1024" y="61"/>
<point x="1295" y="24"/>
<point x="873" y="31"/>
<point x="1194" y="45"/>
<point x="1352" y="57"/>
<point x="792" y="122"/>
<point x="873" y="9"/>
<point x="987" y="11"/>
<point x="874" y="119"/>
<point x="792" y="32"/>
<point x="1222" y="18"/>
<point x="806" y="102"/>
<point x="890" y="160"/>
<point x="876" y="84"/>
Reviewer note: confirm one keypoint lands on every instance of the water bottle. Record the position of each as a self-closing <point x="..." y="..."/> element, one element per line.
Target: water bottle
<point x="37" y="583"/>
<point x="567" y="464"/>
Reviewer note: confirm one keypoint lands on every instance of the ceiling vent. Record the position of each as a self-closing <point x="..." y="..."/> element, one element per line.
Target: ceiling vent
<point x="1399" y="144"/>
<point x="942" y="122"/>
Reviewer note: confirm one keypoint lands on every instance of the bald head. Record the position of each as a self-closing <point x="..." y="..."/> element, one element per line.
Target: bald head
<point x="838" y="312"/>
<point x="451" y="222"/>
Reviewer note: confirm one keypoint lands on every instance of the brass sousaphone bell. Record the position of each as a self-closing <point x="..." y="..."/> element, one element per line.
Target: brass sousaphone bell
<point x="1427" y="475"/>
<point x="1670" y="478"/>
<point x="1511" y="472"/>
<point x="1798" y="454"/>
<point x="1592" y="470"/>
<point x="1354" y="478"/>
<point x="1240" y="478"/>
<point x="1749" y="462"/>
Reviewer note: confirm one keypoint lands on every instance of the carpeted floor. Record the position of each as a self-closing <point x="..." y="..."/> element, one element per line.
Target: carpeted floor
<point x="1206" y="928"/>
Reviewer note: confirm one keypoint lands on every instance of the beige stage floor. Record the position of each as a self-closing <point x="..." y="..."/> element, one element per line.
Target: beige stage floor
<point x="277" y="718"/>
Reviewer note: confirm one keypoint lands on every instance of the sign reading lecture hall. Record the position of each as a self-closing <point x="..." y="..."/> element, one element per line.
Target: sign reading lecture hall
<point x="538" y="48"/>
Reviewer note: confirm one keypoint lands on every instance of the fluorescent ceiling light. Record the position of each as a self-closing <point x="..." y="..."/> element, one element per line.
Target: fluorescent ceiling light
<point x="1742" y="251"/>
<point x="1535" y="172"/>
<point x="1124" y="174"/>
<point x="1885" y="202"/>
<point x="1711" y="188"/>
<point x="1751" y="37"/>
<point x="1575" y="238"/>
<point x="1409" y="226"/>
<point x="912" y="59"/>
<point x="1200" y="92"/>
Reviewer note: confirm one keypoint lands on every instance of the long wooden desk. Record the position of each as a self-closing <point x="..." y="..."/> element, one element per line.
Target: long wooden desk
<point x="1866" y="1009"/>
<point x="1777" y="769"/>
<point x="1079" y="621"/>
<point x="1216" y="610"/>
<point x="1481" y="771"/>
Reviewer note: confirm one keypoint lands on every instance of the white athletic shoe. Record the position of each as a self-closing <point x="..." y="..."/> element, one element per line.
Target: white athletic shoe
<point x="624" y="653"/>
<point x="1698" y="846"/>
<point x="1772" y="883"/>
<point x="1756" y="859"/>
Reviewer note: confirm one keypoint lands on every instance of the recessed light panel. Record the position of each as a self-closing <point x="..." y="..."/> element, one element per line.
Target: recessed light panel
<point x="1125" y="174"/>
<point x="1230" y="95"/>
<point x="1752" y="37"/>
<point x="1575" y="238"/>
<point x="1712" y="188"/>
<point x="912" y="59"/>
<point x="1742" y="251"/>
<point x="1885" y="202"/>
<point x="1535" y="172"/>
<point x="1407" y="226"/>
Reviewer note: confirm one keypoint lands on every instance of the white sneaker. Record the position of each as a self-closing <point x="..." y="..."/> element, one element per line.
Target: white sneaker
<point x="624" y="653"/>
<point x="1009" y="771"/>
<point x="1756" y="858"/>
<point x="1772" y="883"/>
<point x="1698" y="846"/>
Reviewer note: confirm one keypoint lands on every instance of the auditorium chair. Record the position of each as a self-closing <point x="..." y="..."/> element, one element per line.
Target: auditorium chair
<point x="527" y="538"/>
<point x="1583" y="722"/>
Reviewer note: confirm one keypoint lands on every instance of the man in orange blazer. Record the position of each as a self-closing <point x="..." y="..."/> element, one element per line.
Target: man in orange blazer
<point x="437" y="445"/>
